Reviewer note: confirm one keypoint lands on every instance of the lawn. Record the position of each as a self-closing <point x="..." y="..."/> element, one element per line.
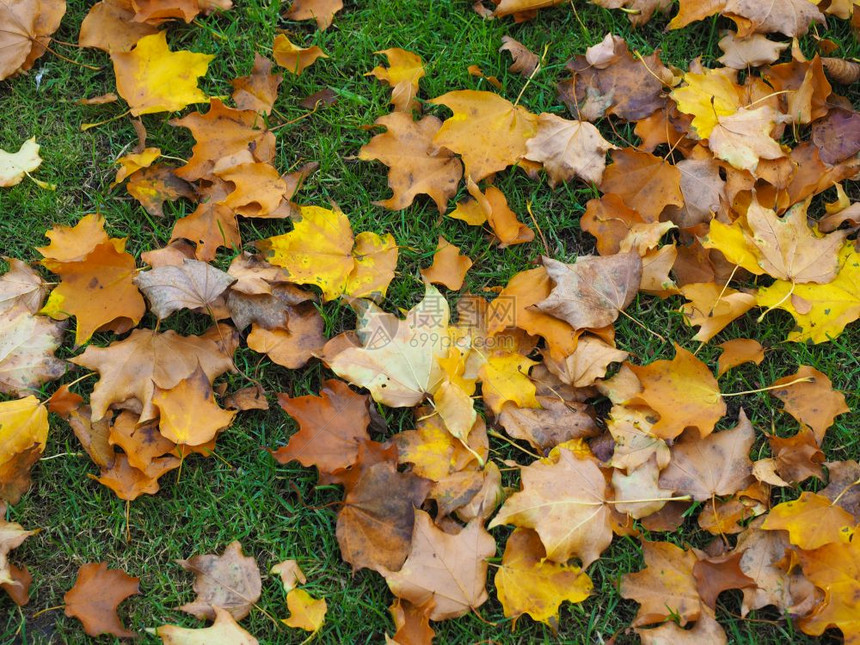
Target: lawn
<point x="279" y="512"/>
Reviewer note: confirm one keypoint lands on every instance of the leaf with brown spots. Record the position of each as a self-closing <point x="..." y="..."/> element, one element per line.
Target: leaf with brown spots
<point x="230" y="581"/>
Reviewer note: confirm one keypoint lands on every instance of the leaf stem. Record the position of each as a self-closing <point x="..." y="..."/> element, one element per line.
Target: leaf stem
<point x="805" y="379"/>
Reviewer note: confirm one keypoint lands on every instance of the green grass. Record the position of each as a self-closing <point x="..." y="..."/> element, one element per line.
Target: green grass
<point x="278" y="512"/>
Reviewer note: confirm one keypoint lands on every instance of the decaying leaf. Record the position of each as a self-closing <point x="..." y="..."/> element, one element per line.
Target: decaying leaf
<point x="230" y="581"/>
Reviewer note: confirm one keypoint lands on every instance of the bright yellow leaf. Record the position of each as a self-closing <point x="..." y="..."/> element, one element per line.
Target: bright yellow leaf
<point x="811" y="521"/>
<point x="23" y="424"/>
<point x="322" y="251"/>
<point x="306" y="612"/>
<point x="504" y="377"/>
<point x="528" y="583"/>
<point x="707" y="97"/>
<point x="151" y="78"/>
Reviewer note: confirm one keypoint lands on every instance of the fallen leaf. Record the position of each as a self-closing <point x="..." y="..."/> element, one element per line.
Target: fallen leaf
<point x="224" y="631"/>
<point x="712" y="307"/>
<point x="706" y="630"/>
<point x="27" y="346"/>
<point x="811" y="520"/>
<point x="416" y="165"/>
<point x="306" y="612"/>
<point x="259" y="90"/>
<point x="405" y="71"/>
<point x="398" y="361"/>
<point x="132" y="368"/>
<point x="790" y="17"/>
<point x="188" y="411"/>
<point x="812" y="401"/>
<point x="630" y="88"/>
<point x="412" y="623"/>
<point x="715" y="465"/>
<point x="564" y="500"/>
<point x="331" y="427"/>
<point x="97" y="290"/>
<point x="23" y="433"/>
<point x="486" y="130"/>
<point x="505" y="378"/>
<point x="549" y="425"/>
<point x="683" y="392"/>
<point x="151" y="78"/>
<point x="27" y="33"/>
<point x="527" y="583"/>
<point x="374" y="526"/>
<point x="293" y="346"/>
<point x="828" y="308"/>
<point x="15" y="166"/>
<point x="744" y="138"/>
<point x="592" y="292"/>
<point x="290" y="574"/>
<point x="568" y="149"/>
<point x="230" y="581"/>
<point x="193" y="285"/>
<point x="129" y="482"/>
<point x="322" y="11"/>
<point x="210" y="227"/>
<point x="717" y="574"/>
<point x="110" y="26"/>
<point x="321" y="250"/>
<point x="737" y="352"/>
<point x="12" y="535"/>
<point x="224" y="137"/>
<point x="835" y="568"/>
<point x="21" y="288"/>
<point x="666" y="587"/>
<point x="753" y="51"/>
<point x="449" y="267"/>
<point x="450" y="569"/>
<point x="94" y="599"/>
<point x="707" y="96"/>
<point x="525" y="61"/>
<point x="765" y="559"/>
<point x="293" y="58"/>
<point x="155" y="185"/>
<point x="645" y="183"/>
<point x="640" y="483"/>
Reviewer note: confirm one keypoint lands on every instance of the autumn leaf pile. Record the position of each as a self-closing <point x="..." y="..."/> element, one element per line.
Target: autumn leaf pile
<point x="717" y="209"/>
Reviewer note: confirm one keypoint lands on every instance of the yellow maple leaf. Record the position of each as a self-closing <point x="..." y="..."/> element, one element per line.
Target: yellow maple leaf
<point x="23" y="424"/>
<point x="528" y="583"/>
<point x="505" y="378"/>
<point x="821" y="310"/>
<point x="306" y="612"/>
<point x="488" y="131"/>
<point x="707" y="97"/>
<point x="405" y="70"/>
<point x="151" y="78"/>
<point x="322" y="251"/>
